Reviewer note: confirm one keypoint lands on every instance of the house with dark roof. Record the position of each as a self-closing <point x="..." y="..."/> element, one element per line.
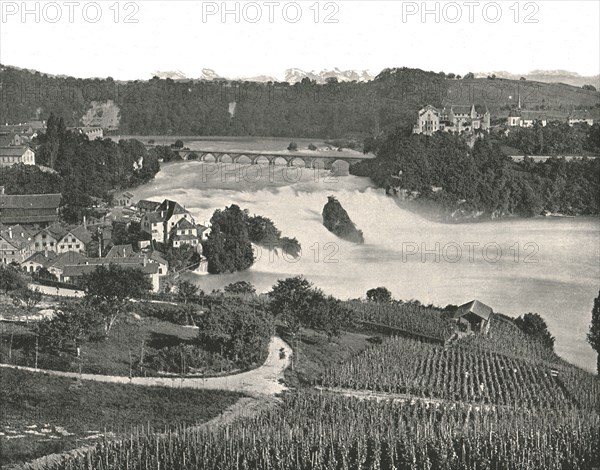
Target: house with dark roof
<point x="73" y="273"/>
<point x="518" y="117"/>
<point x="13" y="155"/>
<point x="127" y="251"/>
<point x="38" y="260"/>
<point x="15" y="245"/>
<point x="57" y="264"/>
<point x="76" y="239"/>
<point x="48" y="237"/>
<point x="147" y="206"/>
<point x="160" y="224"/>
<point x="184" y="233"/>
<point x="121" y="251"/>
<point x="474" y="316"/>
<point x="29" y="209"/>
<point x="92" y="133"/>
<point x="123" y="199"/>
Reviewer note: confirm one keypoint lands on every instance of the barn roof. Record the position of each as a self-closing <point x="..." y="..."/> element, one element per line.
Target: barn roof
<point x="476" y="307"/>
<point x="147" y="206"/>
<point x="30" y="201"/>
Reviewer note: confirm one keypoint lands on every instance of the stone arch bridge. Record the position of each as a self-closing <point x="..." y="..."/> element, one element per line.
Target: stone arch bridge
<point x="316" y="160"/>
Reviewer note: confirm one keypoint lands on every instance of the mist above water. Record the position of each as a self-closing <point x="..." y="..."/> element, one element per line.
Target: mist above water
<point x="545" y="265"/>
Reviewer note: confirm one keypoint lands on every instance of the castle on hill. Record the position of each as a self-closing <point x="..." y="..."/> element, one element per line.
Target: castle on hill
<point x="456" y="118"/>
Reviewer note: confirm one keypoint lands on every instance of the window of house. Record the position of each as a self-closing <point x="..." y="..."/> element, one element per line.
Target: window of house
<point x="62" y="247"/>
<point x="77" y="246"/>
<point x="70" y="246"/>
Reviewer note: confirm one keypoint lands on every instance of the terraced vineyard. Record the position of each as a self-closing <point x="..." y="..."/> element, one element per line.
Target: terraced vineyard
<point x="408" y="317"/>
<point x="407" y="366"/>
<point x="321" y="431"/>
<point x="506" y="338"/>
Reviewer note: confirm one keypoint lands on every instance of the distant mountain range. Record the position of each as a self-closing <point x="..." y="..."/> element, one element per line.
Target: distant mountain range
<point x="290" y="76"/>
<point x="295" y="75"/>
<point x="549" y="76"/>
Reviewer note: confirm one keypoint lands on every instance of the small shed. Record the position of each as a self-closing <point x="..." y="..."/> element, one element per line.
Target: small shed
<point x="474" y="316"/>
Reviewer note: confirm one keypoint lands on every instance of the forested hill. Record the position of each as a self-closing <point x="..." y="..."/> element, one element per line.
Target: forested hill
<point x="331" y="110"/>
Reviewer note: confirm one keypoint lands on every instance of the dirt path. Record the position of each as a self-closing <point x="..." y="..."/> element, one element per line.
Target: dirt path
<point x="264" y="380"/>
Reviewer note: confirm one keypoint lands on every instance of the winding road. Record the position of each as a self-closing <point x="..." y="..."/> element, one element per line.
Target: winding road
<point x="264" y="380"/>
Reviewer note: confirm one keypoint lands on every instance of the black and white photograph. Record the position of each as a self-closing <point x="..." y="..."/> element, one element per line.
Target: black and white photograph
<point x="297" y="235"/>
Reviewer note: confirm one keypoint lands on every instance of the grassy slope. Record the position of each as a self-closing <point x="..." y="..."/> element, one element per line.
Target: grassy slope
<point x="109" y="357"/>
<point x="559" y="99"/>
<point x="82" y="407"/>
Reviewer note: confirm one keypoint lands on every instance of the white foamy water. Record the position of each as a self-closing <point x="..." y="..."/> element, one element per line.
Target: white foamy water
<point x="549" y="266"/>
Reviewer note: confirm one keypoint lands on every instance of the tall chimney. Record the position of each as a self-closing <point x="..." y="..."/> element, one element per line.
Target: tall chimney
<point x="145" y="260"/>
<point x="10" y="232"/>
<point x="84" y="222"/>
<point x="1" y="189"/>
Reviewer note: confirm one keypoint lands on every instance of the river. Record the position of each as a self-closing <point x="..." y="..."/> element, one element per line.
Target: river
<point x="546" y="265"/>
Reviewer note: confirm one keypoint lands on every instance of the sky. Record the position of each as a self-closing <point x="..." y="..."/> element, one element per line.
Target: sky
<point x="133" y="39"/>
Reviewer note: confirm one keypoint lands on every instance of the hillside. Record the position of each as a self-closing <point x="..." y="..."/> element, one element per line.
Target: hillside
<point x="305" y="109"/>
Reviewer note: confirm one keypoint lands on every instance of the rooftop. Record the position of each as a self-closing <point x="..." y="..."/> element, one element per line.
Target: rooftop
<point x="476" y="307"/>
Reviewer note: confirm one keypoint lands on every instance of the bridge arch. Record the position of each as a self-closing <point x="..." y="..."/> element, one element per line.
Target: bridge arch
<point x="279" y="160"/>
<point x="207" y="158"/>
<point x="261" y="160"/>
<point x="225" y="158"/>
<point x="340" y="167"/>
<point x="243" y="160"/>
<point x="299" y="162"/>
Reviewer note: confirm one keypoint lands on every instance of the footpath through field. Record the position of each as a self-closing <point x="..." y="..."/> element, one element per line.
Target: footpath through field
<point x="264" y="380"/>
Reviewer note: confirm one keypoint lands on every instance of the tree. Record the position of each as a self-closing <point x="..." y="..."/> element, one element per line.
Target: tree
<point x="593" y="335"/>
<point x="534" y="325"/>
<point x="312" y="147"/>
<point x="290" y="301"/>
<point x="187" y="291"/>
<point x="108" y="289"/>
<point x="178" y="144"/>
<point x="27" y="297"/>
<point x="228" y="247"/>
<point x="589" y="87"/>
<point x="236" y="330"/>
<point x="469" y="76"/>
<point x="75" y="322"/>
<point x="11" y="279"/>
<point x="292" y="147"/>
<point x="296" y="302"/>
<point x="240" y="288"/>
<point x="379" y="295"/>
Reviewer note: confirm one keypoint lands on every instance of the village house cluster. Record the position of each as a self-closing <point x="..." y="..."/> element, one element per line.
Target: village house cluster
<point x="16" y="141"/>
<point x="33" y="238"/>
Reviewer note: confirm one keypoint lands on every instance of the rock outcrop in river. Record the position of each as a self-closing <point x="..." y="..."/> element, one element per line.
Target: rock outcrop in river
<point x="337" y="221"/>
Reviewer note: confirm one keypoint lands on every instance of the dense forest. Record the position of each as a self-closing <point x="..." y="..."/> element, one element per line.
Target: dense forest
<point x="556" y="138"/>
<point x="306" y="109"/>
<point x="446" y="171"/>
